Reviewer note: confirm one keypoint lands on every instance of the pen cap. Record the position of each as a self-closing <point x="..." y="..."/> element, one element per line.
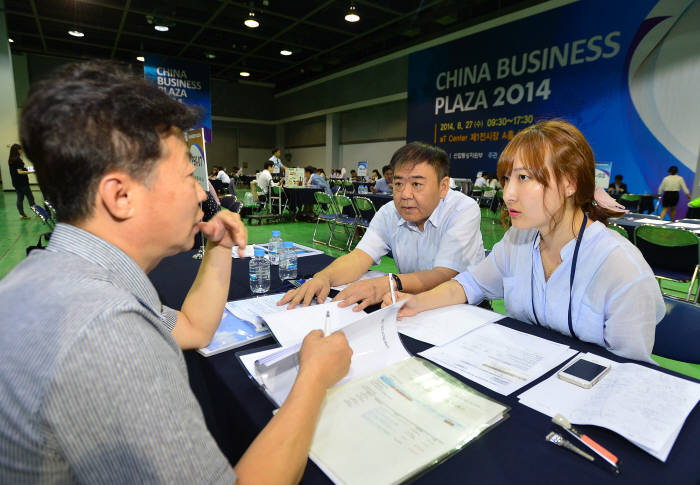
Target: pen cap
<point x="560" y="420"/>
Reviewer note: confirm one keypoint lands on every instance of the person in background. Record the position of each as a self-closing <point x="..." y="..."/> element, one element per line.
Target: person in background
<point x="481" y="180"/>
<point x="375" y="175"/>
<point x="276" y="161"/>
<point x="222" y="176"/>
<point x="432" y="232"/>
<point x="232" y="181"/>
<point x="385" y="184"/>
<point x="316" y="181"/>
<point x="214" y="171"/>
<point x="670" y="187"/>
<point x="494" y="184"/>
<point x="617" y="188"/>
<point x="94" y="382"/>
<point x="558" y="266"/>
<point x="263" y="179"/>
<point x="321" y="173"/>
<point x="353" y="175"/>
<point x="20" y="179"/>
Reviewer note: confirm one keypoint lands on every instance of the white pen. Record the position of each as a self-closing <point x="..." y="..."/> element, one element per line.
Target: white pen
<point x="391" y="287"/>
<point x="327" y="325"/>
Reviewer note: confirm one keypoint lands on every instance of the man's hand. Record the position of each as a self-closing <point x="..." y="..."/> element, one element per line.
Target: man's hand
<point x="410" y="308"/>
<point x="318" y="287"/>
<point x="363" y="292"/>
<point x="325" y="360"/>
<point x="226" y="229"/>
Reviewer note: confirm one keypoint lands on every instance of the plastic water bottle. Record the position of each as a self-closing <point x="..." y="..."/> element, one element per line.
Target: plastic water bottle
<point x="259" y="272"/>
<point x="274" y="246"/>
<point x="288" y="262"/>
<point x="248" y="199"/>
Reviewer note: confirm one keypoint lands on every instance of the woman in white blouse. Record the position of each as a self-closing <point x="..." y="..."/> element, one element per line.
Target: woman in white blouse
<point x="558" y="266"/>
<point x="671" y="186"/>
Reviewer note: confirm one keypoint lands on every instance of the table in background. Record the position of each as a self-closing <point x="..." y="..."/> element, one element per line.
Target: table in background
<point x="298" y="197"/>
<point x="515" y="451"/>
<point x="630" y="221"/>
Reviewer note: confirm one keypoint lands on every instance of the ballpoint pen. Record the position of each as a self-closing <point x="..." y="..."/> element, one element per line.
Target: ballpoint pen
<point x="391" y="288"/>
<point x="611" y="460"/>
<point x="327" y="324"/>
<point x="559" y="440"/>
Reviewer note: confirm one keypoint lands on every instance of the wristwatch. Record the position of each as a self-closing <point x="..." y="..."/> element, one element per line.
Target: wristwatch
<point x="397" y="280"/>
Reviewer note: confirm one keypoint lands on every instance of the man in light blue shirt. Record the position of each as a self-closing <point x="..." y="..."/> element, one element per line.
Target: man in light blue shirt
<point x="316" y="181"/>
<point x="432" y="232"/>
<point x="385" y="185"/>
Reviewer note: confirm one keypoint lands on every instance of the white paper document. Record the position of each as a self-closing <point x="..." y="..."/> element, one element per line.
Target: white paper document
<point x="442" y="325"/>
<point x="651" y="221"/>
<point x="643" y="405"/>
<point x="685" y="225"/>
<point x="291" y="326"/>
<point x="373" y="338"/>
<point x="390" y="425"/>
<point x="252" y="309"/>
<point x="367" y="276"/>
<point x="500" y="358"/>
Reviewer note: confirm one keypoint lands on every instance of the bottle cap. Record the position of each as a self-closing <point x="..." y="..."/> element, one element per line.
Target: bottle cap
<point x="259" y="252"/>
<point x="276" y="233"/>
<point x="288" y="244"/>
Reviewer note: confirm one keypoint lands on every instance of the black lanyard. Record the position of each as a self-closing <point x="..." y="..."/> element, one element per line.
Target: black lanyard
<point x="571" y="279"/>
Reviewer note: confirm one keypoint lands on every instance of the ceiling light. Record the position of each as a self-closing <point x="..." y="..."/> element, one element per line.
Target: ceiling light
<point x="140" y="58"/>
<point x="251" y="21"/>
<point x="161" y="28"/>
<point x="210" y="55"/>
<point x="351" y="15"/>
<point x="11" y="41"/>
<point x="76" y="33"/>
<point x="286" y="52"/>
<point x="244" y="74"/>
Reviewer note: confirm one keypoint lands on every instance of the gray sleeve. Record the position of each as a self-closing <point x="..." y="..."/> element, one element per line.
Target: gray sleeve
<point x="120" y="410"/>
<point x="169" y="318"/>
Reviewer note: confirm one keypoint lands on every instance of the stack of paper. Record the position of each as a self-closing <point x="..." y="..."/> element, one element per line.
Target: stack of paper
<point x="645" y="406"/>
<point x="499" y="358"/>
<point x="393" y="415"/>
<point x="254" y="310"/>
<point x="442" y="325"/>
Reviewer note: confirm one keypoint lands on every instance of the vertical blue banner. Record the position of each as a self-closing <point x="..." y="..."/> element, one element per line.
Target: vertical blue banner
<point x="625" y="73"/>
<point x="186" y="82"/>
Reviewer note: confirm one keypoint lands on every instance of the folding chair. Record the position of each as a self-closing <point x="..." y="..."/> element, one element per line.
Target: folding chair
<point x="671" y="252"/>
<point x="365" y="211"/>
<point x="348" y="187"/>
<point x="678" y="333"/>
<point x="263" y="199"/>
<point x="44" y="215"/>
<point x="348" y="222"/>
<point x="327" y="213"/>
<point x="277" y="196"/>
<point x="620" y="229"/>
<point x="631" y="201"/>
<point x="50" y="209"/>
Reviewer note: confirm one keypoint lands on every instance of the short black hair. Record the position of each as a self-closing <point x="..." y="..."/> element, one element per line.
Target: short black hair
<point x="268" y="164"/>
<point x="618" y="177"/>
<point x="385" y="168"/>
<point x="419" y="152"/>
<point x="673" y="170"/>
<point x="274" y="150"/>
<point x="309" y="168"/>
<point x="91" y="118"/>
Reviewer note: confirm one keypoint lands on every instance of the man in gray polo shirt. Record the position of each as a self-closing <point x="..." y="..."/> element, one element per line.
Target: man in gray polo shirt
<point x="93" y="384"/>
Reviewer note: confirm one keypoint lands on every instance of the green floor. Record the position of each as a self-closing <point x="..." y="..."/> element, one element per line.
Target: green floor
<point x="18" y="234"/>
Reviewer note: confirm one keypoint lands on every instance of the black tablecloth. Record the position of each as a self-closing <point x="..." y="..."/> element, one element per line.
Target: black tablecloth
<point x="630" y="221"/>
<point x="297" y="198"/>
<point x="515" y="451"/>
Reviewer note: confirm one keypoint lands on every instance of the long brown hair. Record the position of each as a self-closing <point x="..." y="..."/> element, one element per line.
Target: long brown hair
<point x="570" y="157"/>
<point x="14" y="152"/>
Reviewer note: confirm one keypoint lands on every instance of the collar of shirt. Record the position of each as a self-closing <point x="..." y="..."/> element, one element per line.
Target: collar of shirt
<point x="434" y="219"/>
<point x="125" y="272"/>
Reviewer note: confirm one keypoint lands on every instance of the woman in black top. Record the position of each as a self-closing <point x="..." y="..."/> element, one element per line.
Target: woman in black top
<point x="20" y="180"/>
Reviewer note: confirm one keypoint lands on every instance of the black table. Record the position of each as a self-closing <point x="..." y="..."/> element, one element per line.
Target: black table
<point x="299" y="197"/>
<point x="515" y="451"/>
<point x="630" y="221"/>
